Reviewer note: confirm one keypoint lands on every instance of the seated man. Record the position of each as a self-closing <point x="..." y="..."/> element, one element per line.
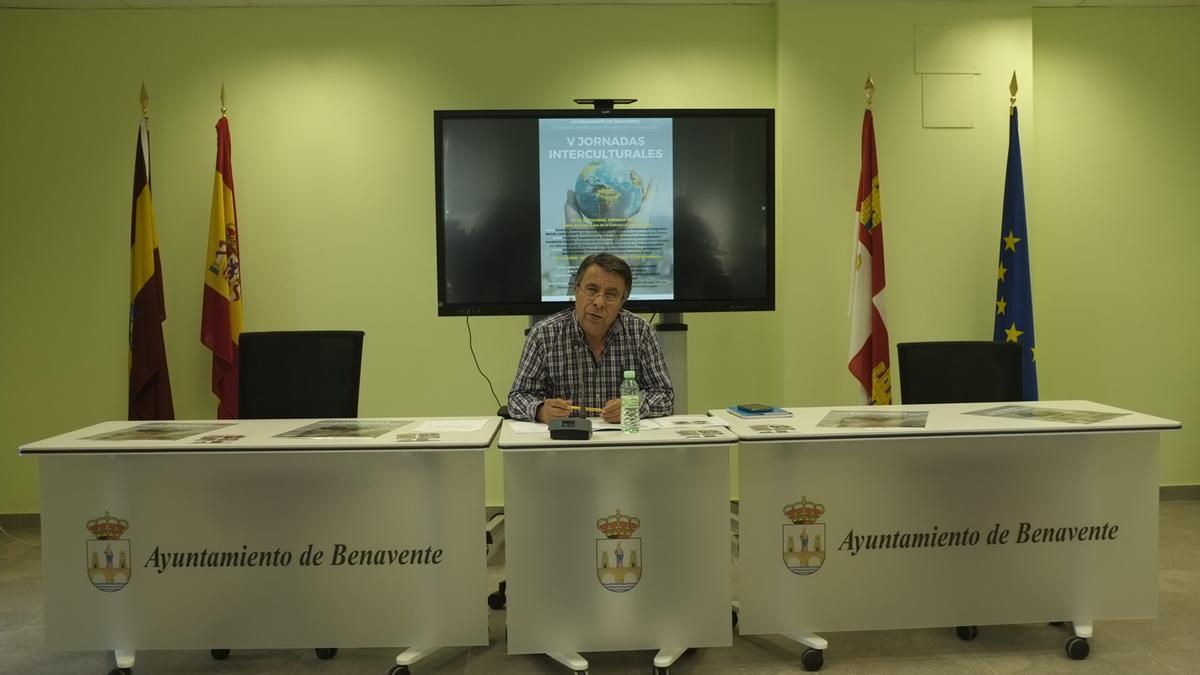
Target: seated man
<point x="575" y="359"/>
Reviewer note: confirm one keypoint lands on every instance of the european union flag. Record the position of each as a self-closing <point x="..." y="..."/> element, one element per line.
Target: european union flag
<point x="1014" y="297"/>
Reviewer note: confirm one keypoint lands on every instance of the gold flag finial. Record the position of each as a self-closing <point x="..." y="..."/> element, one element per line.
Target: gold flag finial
<point x="1012" y="90"/>
<point x="222" y="99"/>
<point x="869" y="90"/>
<point x="145" y="101"/>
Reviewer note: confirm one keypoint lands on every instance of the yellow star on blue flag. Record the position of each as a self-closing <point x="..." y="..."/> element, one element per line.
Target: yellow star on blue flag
<point x="1014" y="295"/>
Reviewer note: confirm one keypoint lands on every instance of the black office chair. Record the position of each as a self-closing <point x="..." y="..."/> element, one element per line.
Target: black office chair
<point x="959" y="372"/>
<point x="298" y="374"/>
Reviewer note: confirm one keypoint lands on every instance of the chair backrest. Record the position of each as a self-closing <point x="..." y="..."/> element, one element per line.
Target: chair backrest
<point x="293" y="374"/>
<point x="959" y="372"/>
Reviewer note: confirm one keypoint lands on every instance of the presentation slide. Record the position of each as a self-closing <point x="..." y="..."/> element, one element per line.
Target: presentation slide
<point x="607" y="186"/>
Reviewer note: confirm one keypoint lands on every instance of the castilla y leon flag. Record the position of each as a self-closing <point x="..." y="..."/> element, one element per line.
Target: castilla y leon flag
<point x="149" y="381"/>
<point x="222" y="322"/>
<point x="870" y="351"/>
<point x="1014" y="294"/>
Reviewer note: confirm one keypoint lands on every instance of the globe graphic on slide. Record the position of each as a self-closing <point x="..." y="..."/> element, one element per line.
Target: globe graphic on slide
<point x="608" y="190"/>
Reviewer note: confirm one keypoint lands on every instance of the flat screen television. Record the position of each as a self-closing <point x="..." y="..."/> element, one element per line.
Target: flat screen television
<point x="686" y="197"/>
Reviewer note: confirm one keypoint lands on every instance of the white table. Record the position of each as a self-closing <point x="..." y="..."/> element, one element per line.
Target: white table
<point x="964" y="521"/>
<point x="662" y="497"/>
<point x="264" y="541"/>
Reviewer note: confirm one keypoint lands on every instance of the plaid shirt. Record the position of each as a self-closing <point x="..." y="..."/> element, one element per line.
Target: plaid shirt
<point x="556" y="363"/>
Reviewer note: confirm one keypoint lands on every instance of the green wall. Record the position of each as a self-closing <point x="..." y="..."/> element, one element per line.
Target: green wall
<point x="330" y="116"/>
<point x="941" y="189"/>
<point x="1118" y="164"/>
<point x="1111" y="156"/>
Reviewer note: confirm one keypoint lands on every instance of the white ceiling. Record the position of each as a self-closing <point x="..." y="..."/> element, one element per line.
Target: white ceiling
<point x="177" y="4"/>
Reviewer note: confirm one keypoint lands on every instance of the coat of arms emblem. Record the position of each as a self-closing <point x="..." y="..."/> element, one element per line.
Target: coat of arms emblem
<point x="804" y="541"/>
<point x="108" y="555"/>
<point x="618" y="556"/>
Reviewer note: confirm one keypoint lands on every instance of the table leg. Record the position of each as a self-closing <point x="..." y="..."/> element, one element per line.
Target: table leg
<point x="814" y="657"/>
<point x="665" y="657"/>
<point x="124" y="659"/>
<point x="408" y="657"/>
<point x="1077" y="645"/>
<point x="572" y="660"/>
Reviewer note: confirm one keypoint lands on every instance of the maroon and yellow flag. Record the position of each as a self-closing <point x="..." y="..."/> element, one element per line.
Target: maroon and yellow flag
<point x="222" y="322"/>
<point x="870" y="349"/>
<point x="149" y="381"/>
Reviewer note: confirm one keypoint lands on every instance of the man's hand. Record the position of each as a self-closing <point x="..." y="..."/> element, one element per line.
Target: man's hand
<point x="555" y="409"/>
<point x="612" y="411"/>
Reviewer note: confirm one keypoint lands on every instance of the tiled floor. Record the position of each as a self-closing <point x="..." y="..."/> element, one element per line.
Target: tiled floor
<point x="1170" y="643"/>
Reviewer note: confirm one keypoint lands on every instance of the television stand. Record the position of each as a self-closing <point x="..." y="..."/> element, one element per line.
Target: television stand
<point x="672" y="335"/>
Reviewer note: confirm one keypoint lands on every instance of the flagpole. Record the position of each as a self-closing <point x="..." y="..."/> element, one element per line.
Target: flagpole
<point x="856" y="260"/>
<point x="149" y="379"/>
<point x="1012" y="91"/>
<point x="1014" y="296"/>
<point x="222" y="322"/>
<point x="869" y="358"/>
<point x="144" y="132"/>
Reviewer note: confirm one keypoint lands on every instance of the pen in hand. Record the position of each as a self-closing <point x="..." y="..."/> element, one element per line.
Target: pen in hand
<point x="586" y="408"/>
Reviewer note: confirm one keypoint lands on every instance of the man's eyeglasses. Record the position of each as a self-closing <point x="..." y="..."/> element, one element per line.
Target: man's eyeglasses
<point x="610" y="296"/>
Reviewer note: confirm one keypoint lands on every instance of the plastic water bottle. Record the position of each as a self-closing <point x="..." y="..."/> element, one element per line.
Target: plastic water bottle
<point x="631" y="403"/>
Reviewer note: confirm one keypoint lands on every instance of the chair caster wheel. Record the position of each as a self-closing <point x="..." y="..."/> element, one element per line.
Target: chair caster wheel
<point x="399" y="670"/>
<point x="121" y="671"/>
<point x="1077" y="648"/>
<point x="219" y="654"/>
<point x="325" y="653"/>
<point x="967" y="632"/>
<point x="496" y="600"/>
<point x="812" y="659"/>
<point x="661" y="671"/>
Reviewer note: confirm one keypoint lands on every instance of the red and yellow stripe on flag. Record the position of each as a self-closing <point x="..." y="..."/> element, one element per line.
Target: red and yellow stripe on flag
<point x="870" y="350"/>
<point x="222" y="322"/>
<point x="149" y="381"/>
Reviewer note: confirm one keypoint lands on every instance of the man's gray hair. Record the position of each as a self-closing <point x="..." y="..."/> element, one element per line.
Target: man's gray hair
<point x="609" y="263"/>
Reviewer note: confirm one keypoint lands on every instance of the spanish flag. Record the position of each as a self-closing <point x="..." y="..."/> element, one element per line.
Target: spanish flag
<point x="149" y="382"/>
<point x="222" y="322"/>
<point x="870" y="350"/>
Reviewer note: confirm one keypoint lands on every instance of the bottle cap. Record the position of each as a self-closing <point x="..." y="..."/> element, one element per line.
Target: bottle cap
<point x="629" y="375"/>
